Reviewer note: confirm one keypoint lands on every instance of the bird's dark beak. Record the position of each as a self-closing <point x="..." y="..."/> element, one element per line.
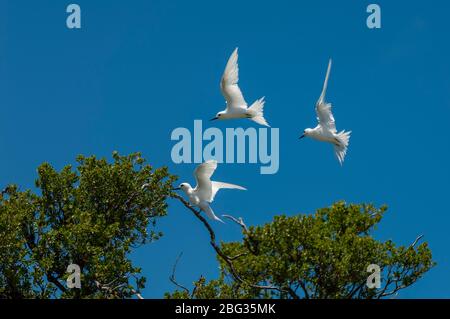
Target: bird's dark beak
<point x="301" y="136"/>
<point x="176" y="189"/>
<point x="213" y="119"/>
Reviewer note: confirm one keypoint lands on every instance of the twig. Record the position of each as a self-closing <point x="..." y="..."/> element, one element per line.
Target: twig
<point x="386" y="286"/>
<point x="237" y="256"/>
<point x="138" y="295"/>
<point x="237" y="221"/>
<point x="110" y="289"/>
<point x="415" y="241"/>
<point x="55" y="281"/>
<point x="172" y="277"/>
<point x="196" y="286"/>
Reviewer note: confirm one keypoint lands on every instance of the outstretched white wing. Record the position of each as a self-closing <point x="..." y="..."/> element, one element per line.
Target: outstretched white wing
<point x="325" y="117"/>
<point x="229" y="84"/>
<point x="218" y="185"/>
<point x="203" y="174"/>
<point x="323" y="109"/>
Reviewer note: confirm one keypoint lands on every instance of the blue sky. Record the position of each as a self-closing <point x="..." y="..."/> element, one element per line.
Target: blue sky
<point x="137" y="70"/>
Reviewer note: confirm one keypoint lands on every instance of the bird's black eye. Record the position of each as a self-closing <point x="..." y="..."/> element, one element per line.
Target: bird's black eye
<point x="219" y="115"/>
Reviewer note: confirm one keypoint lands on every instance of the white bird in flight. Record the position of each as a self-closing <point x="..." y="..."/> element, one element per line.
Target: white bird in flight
<point x="326" y="131"/>
<point x="236" y="107"/>
<point x="203" y="194"/>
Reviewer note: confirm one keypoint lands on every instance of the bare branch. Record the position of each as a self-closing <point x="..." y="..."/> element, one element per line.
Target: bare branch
<point x="239" y="221"/>
<point x="195" y="288"/>
<point x="172" y="277"/>
<point x="55" y="281"/>
<point x="305" y="290"/>
<point x="292" y="293"/>
<point x="237" y="256"/>
<point x="386" y="286"/>
<point x="110" y="289"/>
<point x="138" y="295"/>
<point x="416" y="241"/>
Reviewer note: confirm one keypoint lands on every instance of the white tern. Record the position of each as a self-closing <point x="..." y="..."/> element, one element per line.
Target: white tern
<point x="236" y="107"/>
<point x="203" y="194"/>
<point x="326" y="131"/>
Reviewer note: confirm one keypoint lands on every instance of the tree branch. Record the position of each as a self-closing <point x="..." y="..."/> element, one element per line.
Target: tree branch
<point x="219" y="252"/>
<point x="110" y="289"/>
<point x="305" y="290"/>
<point x="239" y="221"/>
<point x="416" y="241"/>
<point x="172" y="277"/>
<point x="55" y="281"/>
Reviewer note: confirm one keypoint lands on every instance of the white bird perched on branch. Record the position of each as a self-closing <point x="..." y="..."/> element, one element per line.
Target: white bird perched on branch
<point x="326" y="131"/>
<point x="236" y="107"/>
<point x="203" y="194"/>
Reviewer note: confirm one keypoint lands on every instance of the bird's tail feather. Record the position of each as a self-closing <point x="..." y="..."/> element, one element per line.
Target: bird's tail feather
<point x="208" y="211"/>
<point x="256" y="111"/>
<point x="341" y="149"/>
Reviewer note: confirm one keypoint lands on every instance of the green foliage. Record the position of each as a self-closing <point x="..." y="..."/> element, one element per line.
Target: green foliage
<point x="324" y="255"/>
<point x="92" y="217"/>
<point x="95" y="215"/>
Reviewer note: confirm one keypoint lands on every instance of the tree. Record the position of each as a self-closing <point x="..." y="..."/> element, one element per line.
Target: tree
<point x="324" y="255"/>
<point x="95" y="215"/>
<point x="92" y="217"/>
